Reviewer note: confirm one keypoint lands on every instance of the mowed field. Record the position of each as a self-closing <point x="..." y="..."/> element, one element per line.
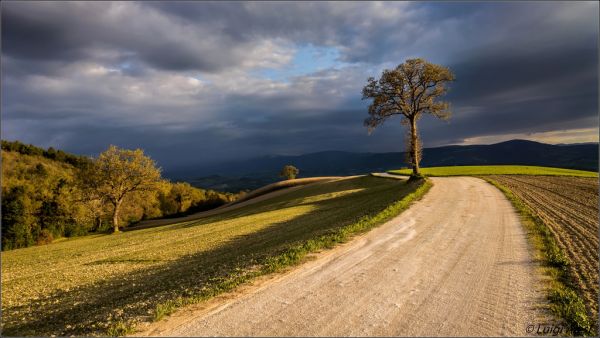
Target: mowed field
<point x="103" y="284"/>
<point x="496" y="170"/>
<point x="569" y="207"/>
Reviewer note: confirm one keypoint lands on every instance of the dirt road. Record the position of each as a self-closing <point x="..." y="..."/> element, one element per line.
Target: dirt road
<point x="456" y="263"/>
<point x="269" y="191"/>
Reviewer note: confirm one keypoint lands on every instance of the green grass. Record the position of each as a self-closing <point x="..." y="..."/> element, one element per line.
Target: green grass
<point x="564" y="301"/>
<point x="496" y="170"/>
<point x="106" y="284"/>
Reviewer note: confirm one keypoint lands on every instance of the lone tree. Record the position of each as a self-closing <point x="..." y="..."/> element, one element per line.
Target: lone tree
<point x="118" y="173"/>
<point x="289" y="172"/>
<point x="409" y="90"/>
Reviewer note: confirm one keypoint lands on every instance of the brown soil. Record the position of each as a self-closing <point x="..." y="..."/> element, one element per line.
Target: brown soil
<point x="569" y="207"/>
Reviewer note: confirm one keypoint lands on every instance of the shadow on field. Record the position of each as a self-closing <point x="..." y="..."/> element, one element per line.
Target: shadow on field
<point x="91" y="309"/>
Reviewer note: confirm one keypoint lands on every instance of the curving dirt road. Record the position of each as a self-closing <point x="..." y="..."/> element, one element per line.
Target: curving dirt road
<point x="456" y="263"/>
<point x="255" y="196"/>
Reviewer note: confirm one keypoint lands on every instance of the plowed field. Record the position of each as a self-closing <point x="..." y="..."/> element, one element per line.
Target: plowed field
<point x="569" y="207"/>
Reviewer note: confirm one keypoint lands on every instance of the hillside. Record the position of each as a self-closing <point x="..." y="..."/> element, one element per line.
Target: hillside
<point x="251" y="174"/>
<point x="38" y="201"/>
<point x="103" y="284"/>
<point x="43" y="198"/>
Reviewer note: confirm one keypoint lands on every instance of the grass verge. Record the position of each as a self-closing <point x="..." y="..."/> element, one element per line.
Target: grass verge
<point x="564" y="300"/>
<point x="296" y="253"/>
<point x="120" y="329"/>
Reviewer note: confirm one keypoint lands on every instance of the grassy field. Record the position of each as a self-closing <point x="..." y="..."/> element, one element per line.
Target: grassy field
<point x="496" y="170"/>
<point x="104" y="284"/>
<point x="568" y="207"/>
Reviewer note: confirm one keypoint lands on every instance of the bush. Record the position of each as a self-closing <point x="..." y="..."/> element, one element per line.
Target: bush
<point x="73" y="229"/>
<point x="289" y="172"/>
<point x="45" y="237"/>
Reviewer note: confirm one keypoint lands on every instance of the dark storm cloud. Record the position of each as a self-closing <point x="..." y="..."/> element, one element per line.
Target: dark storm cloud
<point x="36" y="37"/>
<point x="71" y="31"/>
<point x="182" y="79"/>
<point x="525" y="91"/>
<point x="207" y="36"/>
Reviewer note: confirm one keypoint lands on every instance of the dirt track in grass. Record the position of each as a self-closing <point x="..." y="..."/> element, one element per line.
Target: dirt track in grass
<point x="258" y="195"/>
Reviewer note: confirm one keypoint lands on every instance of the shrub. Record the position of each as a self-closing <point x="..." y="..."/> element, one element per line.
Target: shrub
<point x="289" y="172"/>
<point x="45" y="237"/>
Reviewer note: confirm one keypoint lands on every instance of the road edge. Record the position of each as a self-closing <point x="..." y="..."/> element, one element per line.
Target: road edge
<point x="293" y="256"/>
<point x="564" y="300"/>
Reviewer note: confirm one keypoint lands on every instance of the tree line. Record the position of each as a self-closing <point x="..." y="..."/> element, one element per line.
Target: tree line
<point x="50" y="153"/>
<point x="48" y="194"/>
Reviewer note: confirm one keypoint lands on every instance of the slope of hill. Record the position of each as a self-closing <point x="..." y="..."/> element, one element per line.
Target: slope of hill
<point x="42" y="200"/>
<point x="253" y="173"/>
<point x="37" y="201"/>
<point x="104" y="284"/>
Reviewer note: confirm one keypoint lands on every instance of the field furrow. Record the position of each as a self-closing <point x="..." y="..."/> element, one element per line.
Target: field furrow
<point x="551" y="211"/>
<point x="569" y="207"/>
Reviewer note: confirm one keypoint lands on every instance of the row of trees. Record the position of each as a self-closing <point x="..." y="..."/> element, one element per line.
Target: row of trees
<point x="43" y="199"/>
<point x="50" y="153"/>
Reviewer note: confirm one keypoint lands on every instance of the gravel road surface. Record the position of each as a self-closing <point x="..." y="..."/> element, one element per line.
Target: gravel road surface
<point x="457" y="263"/>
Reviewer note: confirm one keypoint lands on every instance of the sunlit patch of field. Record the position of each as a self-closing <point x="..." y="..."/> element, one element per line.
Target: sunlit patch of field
<point x="496" y="170"/>
<point x="93" y="284"/>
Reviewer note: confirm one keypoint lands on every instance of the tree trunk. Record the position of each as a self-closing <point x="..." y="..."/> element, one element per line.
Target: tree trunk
<point x="116" y="216"/>
<point x="414" y="147"/>
<point x="179" y="201"/>
<point x="97" y="223"/>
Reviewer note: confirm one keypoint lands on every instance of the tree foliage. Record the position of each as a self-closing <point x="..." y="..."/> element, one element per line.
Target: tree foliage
<point x="44" y="198"/>
<point x="16" y="223"/>
<point x="289" y="172"/>
<point x="119" y="173"/>
<point x="410" y="90"/>
<point x="50" y="153"/>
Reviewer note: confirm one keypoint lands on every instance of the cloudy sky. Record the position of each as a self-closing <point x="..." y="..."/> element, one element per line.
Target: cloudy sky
<point x="203" y="82"/>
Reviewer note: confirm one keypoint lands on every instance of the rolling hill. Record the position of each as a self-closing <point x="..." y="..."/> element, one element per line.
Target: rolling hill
<point x="253" y="173"/>
<point x="104" y="284"/>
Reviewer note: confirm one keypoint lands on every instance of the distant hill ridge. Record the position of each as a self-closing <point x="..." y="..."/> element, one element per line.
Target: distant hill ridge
<point x="524" y="152"/>
<point x="253" y="173"/>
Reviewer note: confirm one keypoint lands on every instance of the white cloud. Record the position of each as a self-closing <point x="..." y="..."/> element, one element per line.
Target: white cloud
<point x="580" y="135"/>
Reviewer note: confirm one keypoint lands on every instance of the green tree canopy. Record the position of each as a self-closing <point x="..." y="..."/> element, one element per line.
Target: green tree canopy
<point x="118" y="173"/>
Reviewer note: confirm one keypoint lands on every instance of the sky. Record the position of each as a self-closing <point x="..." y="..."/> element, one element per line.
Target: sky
<point x="197" y="83"/>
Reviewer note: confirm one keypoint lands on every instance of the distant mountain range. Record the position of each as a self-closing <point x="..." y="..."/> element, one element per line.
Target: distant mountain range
<point x="253" y="173"/>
